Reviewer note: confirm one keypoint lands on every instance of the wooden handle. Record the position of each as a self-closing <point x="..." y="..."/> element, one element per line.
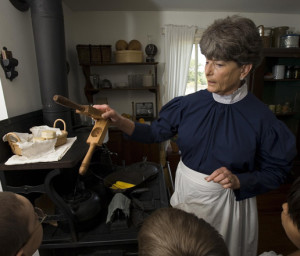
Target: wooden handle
<point x="80" y="109"/>
<point x="87" y="159"/>
<point x="68" y="103"/>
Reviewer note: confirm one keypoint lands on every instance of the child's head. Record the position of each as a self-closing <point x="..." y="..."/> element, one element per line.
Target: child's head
<point x="290" y="216"/>
<point x="21" y="232"/>
<point x="173" y="232"/>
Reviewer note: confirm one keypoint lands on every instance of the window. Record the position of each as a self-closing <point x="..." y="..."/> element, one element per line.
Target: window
<point x="196" y="76"/>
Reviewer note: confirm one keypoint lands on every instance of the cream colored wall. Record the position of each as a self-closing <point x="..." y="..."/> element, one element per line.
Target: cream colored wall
<point x="22" y="95"/>
<point x="108" y="27"/>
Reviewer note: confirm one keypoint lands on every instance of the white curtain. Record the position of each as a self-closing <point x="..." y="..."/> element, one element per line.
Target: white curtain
<point x="178" y="48"/>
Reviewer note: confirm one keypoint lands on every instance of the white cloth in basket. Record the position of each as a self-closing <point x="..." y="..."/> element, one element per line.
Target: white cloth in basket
<point x="39" y="151"/>
<point x="37" y="130"/>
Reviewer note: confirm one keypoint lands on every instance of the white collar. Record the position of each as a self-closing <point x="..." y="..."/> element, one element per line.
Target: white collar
<point x="236" y="96"/>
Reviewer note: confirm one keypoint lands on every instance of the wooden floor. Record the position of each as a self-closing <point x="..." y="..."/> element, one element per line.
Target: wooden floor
<point x="272" y="236"/>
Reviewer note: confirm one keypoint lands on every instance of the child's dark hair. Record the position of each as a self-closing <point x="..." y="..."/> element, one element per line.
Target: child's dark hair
<point x="294" y="202"/>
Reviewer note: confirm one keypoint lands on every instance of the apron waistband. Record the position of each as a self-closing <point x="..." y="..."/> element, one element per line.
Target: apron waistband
<point x="197" y="177"/>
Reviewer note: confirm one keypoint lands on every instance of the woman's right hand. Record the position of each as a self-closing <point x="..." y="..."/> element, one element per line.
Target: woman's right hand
<point x="124" y="124"/>
<point x="108" y="113"/>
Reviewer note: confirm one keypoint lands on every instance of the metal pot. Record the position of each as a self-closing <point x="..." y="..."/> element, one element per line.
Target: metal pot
<point x="289" y="41"/>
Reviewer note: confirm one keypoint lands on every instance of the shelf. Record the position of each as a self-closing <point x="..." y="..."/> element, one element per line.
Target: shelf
<point x="124" y="64"/>
<point x="285" y="114"/>
<point x="280" y="80"/>
<point x="282" y="52"/>
<point x="268" y="89"/>
<point x="152" y="88"/>
<point x="89" y="89"/>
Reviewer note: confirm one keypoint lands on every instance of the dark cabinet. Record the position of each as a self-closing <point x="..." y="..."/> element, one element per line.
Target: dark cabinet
<point x="128" y="151"/>
<point x="281" y="95"/>
<point x="173" y="158"/>
<point x="271" y="236"/>
<point x="283" y="98"/>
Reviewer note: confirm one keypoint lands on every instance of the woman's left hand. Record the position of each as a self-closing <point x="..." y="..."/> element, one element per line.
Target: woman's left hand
<point x="224" y="177"/>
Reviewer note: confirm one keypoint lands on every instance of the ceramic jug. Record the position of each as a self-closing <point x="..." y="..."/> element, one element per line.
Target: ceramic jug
<point x="266" y="35"/>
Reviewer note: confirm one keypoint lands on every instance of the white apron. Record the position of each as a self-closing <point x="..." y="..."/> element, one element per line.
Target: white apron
<point x="235" y="220"/>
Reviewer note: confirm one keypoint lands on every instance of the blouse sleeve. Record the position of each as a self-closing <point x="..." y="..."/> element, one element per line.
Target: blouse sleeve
<point x="164" y="128"/>
<point x="272" y="164"/>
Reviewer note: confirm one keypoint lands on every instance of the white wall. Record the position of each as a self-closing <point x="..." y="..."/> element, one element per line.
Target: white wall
<point x="22" y="95"/>
<point x="108" y="27"/>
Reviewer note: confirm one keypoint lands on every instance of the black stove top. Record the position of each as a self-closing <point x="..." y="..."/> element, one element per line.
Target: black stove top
<point x="102" y="236"/>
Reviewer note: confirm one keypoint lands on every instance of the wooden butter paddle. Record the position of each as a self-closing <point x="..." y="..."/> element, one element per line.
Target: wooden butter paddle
<point x="98" y="132"/>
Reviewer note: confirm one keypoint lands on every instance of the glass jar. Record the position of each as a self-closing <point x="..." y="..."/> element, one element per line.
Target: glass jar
<point x="289" y="72"/>
<point x="297" y="72"/>
<point x="286" y="108"/>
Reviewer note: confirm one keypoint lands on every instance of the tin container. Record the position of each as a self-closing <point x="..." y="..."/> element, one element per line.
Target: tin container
<point x="289" y="41"/>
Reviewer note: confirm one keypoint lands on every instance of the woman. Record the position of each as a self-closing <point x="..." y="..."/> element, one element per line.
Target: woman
<point x="232" y="146"/>
<point x="21" y="232"/>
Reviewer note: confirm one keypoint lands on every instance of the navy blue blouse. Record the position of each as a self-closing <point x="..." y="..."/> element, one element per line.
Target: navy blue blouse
<point x="246" y="137"/>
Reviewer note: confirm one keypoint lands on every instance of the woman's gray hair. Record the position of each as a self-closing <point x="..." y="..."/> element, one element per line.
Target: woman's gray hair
<point x="234" y="38"/>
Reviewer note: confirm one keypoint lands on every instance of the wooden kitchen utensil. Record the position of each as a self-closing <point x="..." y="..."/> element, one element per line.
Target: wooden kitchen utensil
<point x="98" y="132"/>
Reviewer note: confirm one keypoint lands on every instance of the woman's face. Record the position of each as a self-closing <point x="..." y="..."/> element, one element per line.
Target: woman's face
<point x="35" y="228"/>
<point x="290" y="228"/>
<point x="224" y="77"/>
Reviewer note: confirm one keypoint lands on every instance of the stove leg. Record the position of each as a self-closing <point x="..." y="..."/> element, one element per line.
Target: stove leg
<point x="58" y="201"/>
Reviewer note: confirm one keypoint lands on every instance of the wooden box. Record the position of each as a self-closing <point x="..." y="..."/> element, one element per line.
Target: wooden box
<point x="83" y="52"/>
<point x="93" y="54"/>
<point x="105" y="53"/>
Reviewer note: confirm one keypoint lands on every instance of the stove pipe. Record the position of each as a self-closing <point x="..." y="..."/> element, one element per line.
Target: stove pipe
<point x="49" y="37"/>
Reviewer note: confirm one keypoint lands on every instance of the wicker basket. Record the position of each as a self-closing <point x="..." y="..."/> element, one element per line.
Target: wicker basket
<point x="62" y="138"/>
<point x="13" y="139"/>
<point x="128" y="56"/>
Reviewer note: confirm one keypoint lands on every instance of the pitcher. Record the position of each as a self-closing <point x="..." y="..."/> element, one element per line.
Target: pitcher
<point x="277" y="33"/>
